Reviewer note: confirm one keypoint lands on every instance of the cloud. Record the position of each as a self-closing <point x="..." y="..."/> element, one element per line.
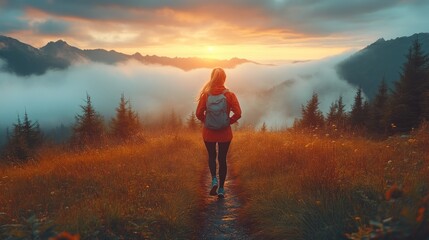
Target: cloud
<point x="52" y="27"/>
<point x="11" y="20"/>
<point x="271" y="94"/>
<point x="302" y="23"/>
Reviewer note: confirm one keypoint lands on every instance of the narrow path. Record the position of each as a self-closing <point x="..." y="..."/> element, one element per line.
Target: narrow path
<point x="220" y="215"/>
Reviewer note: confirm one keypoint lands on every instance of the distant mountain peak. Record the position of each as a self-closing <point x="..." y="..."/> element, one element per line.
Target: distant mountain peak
<point x="58" y="44"/>
<point x="23" y="59"/>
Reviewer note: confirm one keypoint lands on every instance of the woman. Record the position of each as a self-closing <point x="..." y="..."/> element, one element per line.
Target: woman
<point x="215" y="93"/>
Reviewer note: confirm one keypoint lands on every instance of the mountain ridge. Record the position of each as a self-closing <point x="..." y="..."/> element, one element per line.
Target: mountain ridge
<point x="382" y="59"/>
<point x="23" y="59"/>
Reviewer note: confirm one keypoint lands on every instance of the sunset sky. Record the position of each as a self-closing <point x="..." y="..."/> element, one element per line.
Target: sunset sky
<point x="257" y="30"/>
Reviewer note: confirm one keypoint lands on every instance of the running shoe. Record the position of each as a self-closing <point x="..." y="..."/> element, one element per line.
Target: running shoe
<point x="214" y="187"/>
<point x="221" y="193"/>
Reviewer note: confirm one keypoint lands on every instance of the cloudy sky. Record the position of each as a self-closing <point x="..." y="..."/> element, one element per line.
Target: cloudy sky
<point x="254" y="29"/>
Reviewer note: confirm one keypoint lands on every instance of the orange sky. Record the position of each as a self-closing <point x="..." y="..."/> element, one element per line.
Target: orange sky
<point x="256" y="30"/>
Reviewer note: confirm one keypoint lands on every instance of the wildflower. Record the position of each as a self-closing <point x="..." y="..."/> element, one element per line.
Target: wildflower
<point x="420" y="214"/>
<point x="389" y="162"/>
<point x="393" y="193"/>
<point x="66" y="236"/>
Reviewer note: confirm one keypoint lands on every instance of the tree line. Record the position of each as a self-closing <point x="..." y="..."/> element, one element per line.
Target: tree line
<point x="398" y="110"/>
<point x="88" y="131"/>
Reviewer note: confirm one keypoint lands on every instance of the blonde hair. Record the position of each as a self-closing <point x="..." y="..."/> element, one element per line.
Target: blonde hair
<point x="217" y="78"/>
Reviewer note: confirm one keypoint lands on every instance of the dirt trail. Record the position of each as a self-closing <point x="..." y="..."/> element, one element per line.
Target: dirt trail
<point x="220" y="215"/>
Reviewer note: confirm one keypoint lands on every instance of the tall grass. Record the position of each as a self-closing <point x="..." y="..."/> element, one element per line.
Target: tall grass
<point x="302" y="186"/>
<point x="294" y="186"/>
<point x="134" y="191"/>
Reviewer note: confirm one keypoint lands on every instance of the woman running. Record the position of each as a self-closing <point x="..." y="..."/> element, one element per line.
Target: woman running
<point x="215" y="103"/>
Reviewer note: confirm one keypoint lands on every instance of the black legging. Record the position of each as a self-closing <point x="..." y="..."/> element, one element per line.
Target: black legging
<point x="223" y="150"/>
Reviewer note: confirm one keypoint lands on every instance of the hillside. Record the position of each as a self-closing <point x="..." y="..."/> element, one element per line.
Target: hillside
<point x="23" y="59"/>
<point x="381" y="59"/>
<point x="308" y="185"/>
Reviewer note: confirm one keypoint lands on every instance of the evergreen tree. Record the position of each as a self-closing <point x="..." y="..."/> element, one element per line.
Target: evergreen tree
<point x="410" y="94"/>
<point x="341" y="118"/>
<point x="25" y="139"/>
<point x="332" y="115"/>
<point x="192" y="122"/>
<point x="264" y="127"/>
<point x="312" y="117"/>
<point x="126" y="122"/>
<point x="337" y="116"/>
<point x="31" y="131"/>
<point x="133" y="118"/>
<point x="358" y="112"/>
<point x="88" y="129"/>
<point x="425" y="105"/>
<point x="379" y="110"/>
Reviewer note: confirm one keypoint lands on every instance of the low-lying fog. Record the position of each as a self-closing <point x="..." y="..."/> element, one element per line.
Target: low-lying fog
<point x="270" y="94"/>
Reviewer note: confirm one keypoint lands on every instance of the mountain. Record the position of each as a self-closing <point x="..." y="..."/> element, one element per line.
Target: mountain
<point x="23" y="59"/>
<point x="381" y="59"/>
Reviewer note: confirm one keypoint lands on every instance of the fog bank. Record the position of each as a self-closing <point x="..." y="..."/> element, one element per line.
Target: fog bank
<point x="270" y="94"/>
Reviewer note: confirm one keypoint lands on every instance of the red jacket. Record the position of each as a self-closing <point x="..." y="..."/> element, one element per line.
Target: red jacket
<point x="223" y="135"/>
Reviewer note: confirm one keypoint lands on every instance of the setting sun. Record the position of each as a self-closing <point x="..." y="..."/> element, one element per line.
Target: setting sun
<point x="210" y="49"/>
<point x="186" y="119"/>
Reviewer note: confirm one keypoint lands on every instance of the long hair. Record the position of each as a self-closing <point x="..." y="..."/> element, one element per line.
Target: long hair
<point x="217" y="78"/>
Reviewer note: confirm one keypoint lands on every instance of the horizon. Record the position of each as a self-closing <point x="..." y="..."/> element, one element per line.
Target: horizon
<point x="274" y="30"/>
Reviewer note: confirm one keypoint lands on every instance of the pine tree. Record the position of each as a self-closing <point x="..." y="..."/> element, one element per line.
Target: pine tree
<point x="341" y="117"/>
<point x="264" y="127"/>
<point x="378" y="122"/>
<point x="357" y="114"/>
<point x="409" y="96"/>
<point x="133" y="118"/>
<point x="332" y="115"/>
<point x="337" y="116"/>
<point x="312" y="117"/>
<point x="126" y="122"/>
<point x="31" y="132"/>
<point x="25" y="139"/>
<point x="88" y="129"/>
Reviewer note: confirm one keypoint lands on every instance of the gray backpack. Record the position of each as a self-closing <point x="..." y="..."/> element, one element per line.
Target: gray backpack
<point x="216" y="112"/>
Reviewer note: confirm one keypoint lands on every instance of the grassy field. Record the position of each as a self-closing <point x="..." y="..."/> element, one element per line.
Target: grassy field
<point x="310" y="186"/>
<point x="146" y="190"/>
<point x="293" y="185"/>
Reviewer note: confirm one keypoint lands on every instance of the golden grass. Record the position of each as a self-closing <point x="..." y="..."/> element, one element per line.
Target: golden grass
<point x="146" y="190"/>
<point x="294" y="186"/>
<point x="302" y="186"/>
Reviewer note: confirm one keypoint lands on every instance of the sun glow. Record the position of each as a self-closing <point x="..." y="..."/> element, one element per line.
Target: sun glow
<point x="252" y="52"/>
<point x="210" y="49"/>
